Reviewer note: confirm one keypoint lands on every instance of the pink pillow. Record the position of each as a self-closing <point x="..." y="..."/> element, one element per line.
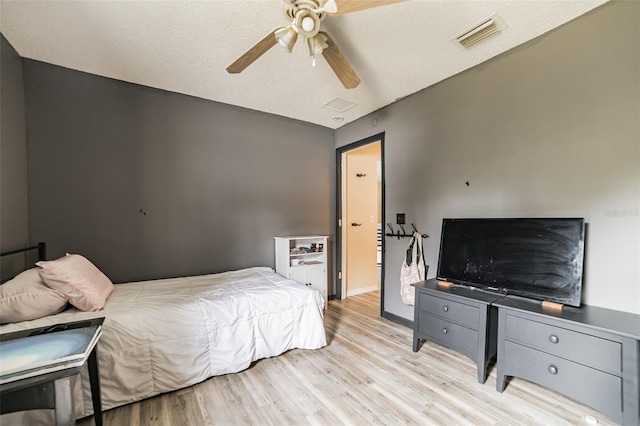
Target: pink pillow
<point x="73" y="275"/>
<point x="25" y="297"/>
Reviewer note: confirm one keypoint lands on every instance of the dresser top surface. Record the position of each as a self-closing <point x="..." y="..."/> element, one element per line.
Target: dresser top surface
<point x="300" y="237"/>
<point x="460" y="290"/>
<point x="622" y="323"/>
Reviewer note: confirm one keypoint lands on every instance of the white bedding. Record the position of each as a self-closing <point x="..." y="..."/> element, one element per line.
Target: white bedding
<point x="163" y="335"/>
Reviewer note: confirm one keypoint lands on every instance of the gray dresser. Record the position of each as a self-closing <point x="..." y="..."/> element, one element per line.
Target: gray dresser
<point x="590" y="354"/>
<point x="458" y="317"/>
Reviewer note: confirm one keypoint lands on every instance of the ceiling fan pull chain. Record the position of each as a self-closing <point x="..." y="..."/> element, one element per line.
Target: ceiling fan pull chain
<point x="313" y="60"/>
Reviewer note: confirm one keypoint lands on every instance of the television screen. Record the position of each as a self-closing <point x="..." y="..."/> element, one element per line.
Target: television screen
<point x="537" y="258"/>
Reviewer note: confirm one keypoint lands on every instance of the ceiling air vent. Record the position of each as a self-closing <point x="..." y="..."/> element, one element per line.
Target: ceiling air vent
<point x="338" y="105"/>
<point x="479" y="33"/>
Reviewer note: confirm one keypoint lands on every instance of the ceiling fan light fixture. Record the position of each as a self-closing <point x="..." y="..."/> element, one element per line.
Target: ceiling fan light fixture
<point x="287" y="37"/>
<point x="307" y="23"/>
<point x="317" y="44"/>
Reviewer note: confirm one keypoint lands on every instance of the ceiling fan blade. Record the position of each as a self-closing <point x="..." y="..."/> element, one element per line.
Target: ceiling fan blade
<point x="348" y="6"/>
<point x="254" y="53"/>
<point x="339" y="64"/>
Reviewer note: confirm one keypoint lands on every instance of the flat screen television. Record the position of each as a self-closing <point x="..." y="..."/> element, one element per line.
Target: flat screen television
<point x="537" y="258"/>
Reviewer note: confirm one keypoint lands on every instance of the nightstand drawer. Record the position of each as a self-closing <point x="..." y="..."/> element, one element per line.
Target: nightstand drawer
<point x="592" y="387"/>
<point x="459" y="312"/>
<point x="449" y="334"/>
<point x="585" y="349"/>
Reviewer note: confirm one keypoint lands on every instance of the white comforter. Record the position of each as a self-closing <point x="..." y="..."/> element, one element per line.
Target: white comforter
<point x="163" y="335"/>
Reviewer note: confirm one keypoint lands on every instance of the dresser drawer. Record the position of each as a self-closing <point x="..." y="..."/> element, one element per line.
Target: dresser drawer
<point x="461" y="313"/>
<point x="449" y="334"/>
<point x="595" y="388"/>
<point x="585" y="349"/>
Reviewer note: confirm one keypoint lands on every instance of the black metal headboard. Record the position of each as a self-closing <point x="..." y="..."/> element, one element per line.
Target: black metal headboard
<point x="41" y="247"/>
<point x="42" y="251"/>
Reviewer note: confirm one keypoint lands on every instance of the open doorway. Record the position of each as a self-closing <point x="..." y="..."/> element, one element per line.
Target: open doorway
<point x="360" y="189"/>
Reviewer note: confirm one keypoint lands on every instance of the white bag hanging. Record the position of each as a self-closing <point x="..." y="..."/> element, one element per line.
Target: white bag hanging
<point x="412" y="270"/>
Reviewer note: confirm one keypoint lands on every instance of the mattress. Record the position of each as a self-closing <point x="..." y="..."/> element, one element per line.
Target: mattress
<point x="163" y="335"/>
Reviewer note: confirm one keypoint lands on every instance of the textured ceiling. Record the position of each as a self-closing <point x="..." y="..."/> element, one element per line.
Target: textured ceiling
<point x="185" y="46"/>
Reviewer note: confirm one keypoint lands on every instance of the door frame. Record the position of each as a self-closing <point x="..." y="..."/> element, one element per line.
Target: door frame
<point x="339" y="151"/>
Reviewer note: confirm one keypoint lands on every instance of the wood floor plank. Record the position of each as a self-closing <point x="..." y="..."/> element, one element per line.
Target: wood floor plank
<point x="368" y="374"/>
<point x="151" y="413"/>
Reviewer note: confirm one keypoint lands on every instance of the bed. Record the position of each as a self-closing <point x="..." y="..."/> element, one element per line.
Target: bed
<point x="163" y="335"/>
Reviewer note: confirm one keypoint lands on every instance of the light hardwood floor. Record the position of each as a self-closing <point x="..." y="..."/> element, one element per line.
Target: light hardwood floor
<point x="367" y="374"/>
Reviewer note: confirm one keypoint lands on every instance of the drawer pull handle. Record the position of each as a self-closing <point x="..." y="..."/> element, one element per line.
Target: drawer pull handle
<point x="445" y="331"/>
<point x="445" y="308"/>
<point x="553" y="338"/>
<point x="553" y="369"/>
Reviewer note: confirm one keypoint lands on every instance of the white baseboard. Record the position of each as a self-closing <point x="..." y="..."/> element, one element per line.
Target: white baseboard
<point x="357" y="291"/>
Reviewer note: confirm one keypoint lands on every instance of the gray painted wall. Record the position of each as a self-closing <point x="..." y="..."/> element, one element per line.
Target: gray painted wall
<point x="14" y="228"/>
<point x="215" y="183"/>
<point x="549" y="129"/>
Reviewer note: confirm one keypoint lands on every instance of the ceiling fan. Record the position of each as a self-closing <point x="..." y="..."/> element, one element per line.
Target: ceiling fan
<point x="305" y="17"/>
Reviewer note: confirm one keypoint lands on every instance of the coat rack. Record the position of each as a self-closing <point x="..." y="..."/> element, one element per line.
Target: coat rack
<point x="404" y="234"/>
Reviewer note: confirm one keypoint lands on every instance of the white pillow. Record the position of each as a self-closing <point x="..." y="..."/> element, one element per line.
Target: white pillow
<point x="26" y="297"/>
<point x="73" y="275"/>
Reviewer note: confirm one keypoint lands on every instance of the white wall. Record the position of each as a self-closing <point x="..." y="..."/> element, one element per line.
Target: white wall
<point x="549" y="129"/>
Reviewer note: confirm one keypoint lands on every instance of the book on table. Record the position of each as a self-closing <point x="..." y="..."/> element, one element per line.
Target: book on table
<point x="31" y="355"/>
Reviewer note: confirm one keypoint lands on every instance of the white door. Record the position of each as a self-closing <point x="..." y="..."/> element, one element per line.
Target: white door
<point x="362" y="211"/>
